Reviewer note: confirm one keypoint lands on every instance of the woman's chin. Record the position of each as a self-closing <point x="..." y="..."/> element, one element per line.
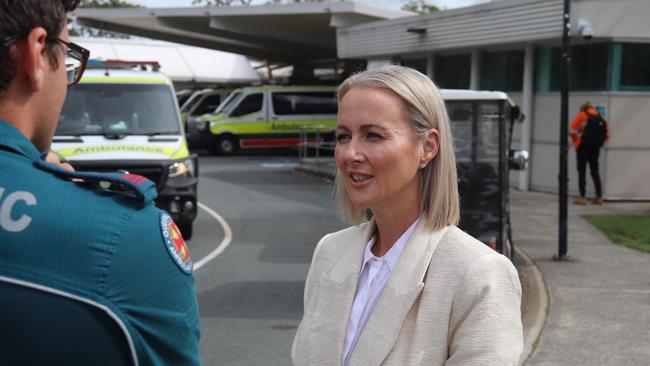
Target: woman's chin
<point x="361" y="204"/>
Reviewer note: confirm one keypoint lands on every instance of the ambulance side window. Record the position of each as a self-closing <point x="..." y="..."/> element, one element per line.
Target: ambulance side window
<point x="250" y="104"/>
<point x="304" y="102"/>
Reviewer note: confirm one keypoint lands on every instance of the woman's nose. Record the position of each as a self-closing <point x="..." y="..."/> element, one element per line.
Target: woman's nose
<point x="353" y="152"/>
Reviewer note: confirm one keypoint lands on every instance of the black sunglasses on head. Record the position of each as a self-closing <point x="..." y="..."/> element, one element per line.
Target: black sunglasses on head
<point x="76" y="57"/>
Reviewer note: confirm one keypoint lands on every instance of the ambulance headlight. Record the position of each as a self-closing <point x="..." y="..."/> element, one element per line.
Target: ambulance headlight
<point x="182" y="168"/>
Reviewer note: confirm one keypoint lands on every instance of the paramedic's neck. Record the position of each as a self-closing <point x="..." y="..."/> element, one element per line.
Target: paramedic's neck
<point x="20" y="112"/>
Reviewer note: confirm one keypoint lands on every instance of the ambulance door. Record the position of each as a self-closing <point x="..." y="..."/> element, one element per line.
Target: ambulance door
<point x="288" y="116"/>
<point x="248" y="120"/>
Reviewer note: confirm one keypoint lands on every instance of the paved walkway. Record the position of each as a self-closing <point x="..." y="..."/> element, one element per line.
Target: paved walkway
<point x="600" y="300"/>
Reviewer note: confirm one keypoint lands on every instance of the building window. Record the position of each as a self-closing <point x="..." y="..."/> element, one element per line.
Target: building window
<point x="589" y="68"/>
<point x="635" y="70"/>
<point x="502" y="71"/>
<point x="452" y="72"/>
<point x="419" y="64"/>
<point x="543" y="62"/>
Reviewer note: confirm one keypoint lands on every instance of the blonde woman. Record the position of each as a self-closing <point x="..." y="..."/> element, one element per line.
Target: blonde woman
<point x="408" y="287"/>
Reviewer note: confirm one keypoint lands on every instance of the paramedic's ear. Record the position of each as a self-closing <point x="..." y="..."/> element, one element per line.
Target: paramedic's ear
<point x="31" y="58"/>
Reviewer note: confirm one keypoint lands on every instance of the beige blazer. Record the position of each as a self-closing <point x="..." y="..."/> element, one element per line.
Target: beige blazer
<point x="451" y="300"/>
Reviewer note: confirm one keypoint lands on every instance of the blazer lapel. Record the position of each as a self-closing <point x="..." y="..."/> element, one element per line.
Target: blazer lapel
<point x="401" y="291"/>
<point x="337" y="293"/>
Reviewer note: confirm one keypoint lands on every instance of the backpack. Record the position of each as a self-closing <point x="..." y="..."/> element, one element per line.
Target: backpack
<point x="595" y="132"/>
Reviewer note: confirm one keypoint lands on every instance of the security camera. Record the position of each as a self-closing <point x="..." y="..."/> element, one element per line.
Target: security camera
<point x="585" y="29"/>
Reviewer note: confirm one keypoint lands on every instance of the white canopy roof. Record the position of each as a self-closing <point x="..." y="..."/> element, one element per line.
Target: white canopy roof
<point x="181" y="63"/>
<point x="287" y="33"/>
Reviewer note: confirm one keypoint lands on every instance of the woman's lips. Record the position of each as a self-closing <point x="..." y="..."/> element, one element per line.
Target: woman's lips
<point x="359" y="180"/>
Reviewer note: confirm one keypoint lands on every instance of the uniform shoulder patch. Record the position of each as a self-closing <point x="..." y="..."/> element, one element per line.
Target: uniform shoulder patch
<point x="175" y="244"/>
<point x="138" y="187"/>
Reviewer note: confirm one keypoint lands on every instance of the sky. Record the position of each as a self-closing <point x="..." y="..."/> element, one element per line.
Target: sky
<point x="393" y="4"/>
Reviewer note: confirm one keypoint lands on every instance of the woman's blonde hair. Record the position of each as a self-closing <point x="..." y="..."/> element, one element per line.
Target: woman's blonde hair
<point x="425" y="109"/>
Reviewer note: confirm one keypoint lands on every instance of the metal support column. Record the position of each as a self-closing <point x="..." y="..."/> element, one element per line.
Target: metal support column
<point x="430" y="65"/>
<point x="527" y="109"/>
<point x="475" y="73"/>
<point x="564" y="131"/>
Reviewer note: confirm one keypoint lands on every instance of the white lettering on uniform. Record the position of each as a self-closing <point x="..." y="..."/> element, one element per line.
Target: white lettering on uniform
<point x="6" y="205"/>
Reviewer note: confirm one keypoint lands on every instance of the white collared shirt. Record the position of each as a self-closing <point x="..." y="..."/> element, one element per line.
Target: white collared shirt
<point x="374" y="274"/>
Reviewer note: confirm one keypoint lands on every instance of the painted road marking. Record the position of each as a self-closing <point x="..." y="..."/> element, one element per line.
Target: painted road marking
<point x="227" y="239"/>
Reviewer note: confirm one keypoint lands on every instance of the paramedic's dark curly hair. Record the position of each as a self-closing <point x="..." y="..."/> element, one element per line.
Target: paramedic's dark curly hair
<point x="19" y="17"/>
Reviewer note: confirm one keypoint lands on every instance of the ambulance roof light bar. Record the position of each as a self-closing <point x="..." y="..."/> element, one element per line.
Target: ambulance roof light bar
<point x="123" y="64"/>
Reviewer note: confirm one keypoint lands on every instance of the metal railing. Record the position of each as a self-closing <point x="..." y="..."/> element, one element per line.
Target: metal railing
<point x="311" y="141"/>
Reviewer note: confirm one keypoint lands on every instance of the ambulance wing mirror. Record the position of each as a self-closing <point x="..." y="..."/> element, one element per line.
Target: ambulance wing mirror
<point x="518" y="160"/>
<point x="516" y="114"/>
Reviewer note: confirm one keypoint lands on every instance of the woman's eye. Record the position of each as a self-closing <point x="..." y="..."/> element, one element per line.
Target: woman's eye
<point x="373" y="135"/>
<point x="342" y="137"/>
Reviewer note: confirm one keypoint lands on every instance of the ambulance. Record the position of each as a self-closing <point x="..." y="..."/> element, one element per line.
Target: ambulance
<point x="202" y="102"/>
<point x="125" y="116"/>
<point x="266" y="117"/>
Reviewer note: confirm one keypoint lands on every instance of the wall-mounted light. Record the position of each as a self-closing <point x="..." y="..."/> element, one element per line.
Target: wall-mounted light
<point x="585" y="29"/>
<point x="416" y="30"/>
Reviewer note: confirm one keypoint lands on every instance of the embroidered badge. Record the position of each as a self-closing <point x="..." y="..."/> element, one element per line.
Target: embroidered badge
<point x="175" y="243"/>
<point x="137" y="179"/>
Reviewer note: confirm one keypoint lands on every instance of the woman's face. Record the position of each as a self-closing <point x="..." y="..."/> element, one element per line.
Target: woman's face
<point x="377" y="153"/>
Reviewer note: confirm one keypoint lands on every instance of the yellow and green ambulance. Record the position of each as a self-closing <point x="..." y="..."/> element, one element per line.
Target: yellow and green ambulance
<point x="265" y="117"/>
<point x="118" y="118"/>
<point x="202" y="102"/>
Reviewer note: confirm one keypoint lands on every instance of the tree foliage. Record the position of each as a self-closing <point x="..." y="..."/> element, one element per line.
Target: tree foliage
<point x="419" y="6"/>
<point x="107" y="4"/>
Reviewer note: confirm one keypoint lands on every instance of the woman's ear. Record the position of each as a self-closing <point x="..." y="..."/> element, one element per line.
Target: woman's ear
<point x="431" y="146"/>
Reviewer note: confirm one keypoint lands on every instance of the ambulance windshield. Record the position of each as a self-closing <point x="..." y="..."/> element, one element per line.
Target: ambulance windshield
<point x="227" y="103"/>
<point x="125" y="109"/>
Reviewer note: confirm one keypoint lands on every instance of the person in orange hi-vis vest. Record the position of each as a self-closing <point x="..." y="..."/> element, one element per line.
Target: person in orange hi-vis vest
<point x="589" y="131"/>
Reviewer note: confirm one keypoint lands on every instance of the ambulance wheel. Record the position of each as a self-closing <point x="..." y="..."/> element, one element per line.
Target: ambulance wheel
<point x="226" y="145"/>
<point x="186" y="229"/>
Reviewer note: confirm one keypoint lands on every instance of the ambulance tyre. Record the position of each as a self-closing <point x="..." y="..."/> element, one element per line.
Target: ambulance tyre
<point x="186" y="229"/>
<point x="225" y="145"/>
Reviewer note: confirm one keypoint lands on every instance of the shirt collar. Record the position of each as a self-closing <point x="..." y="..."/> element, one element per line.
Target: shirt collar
<point x="392" y="256"/>
<point x="14" y="140"/>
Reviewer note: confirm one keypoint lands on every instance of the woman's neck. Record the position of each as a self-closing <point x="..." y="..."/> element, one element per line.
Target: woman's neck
<point x="389" y="228"/>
